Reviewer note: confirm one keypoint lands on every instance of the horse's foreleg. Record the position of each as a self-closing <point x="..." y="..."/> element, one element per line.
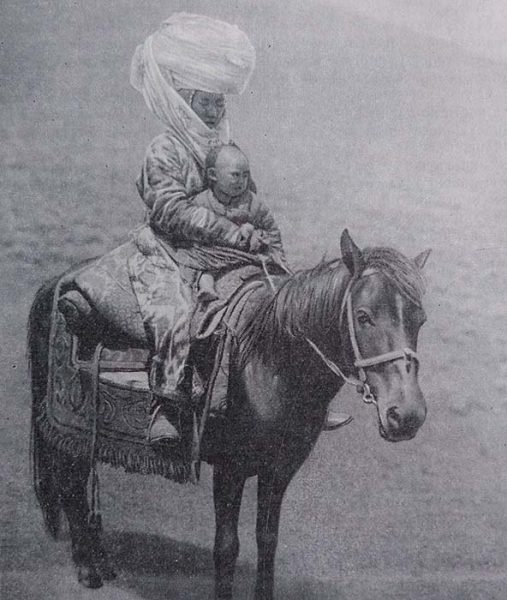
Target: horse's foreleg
<point x="270" y="491"/>
<point x="228" y="484"/>
<point x="73" y="477"/>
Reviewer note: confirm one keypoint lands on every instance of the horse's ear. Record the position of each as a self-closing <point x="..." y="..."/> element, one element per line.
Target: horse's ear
<point x="351" y="254"/>
<point x="420" y="259"/>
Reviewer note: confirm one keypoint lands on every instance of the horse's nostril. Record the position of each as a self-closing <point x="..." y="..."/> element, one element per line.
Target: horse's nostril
<point x="412" y="424"/>
<point x="393" y="416"/>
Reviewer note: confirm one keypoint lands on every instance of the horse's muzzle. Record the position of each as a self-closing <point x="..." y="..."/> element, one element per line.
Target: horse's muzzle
<point x="400" y="425"/>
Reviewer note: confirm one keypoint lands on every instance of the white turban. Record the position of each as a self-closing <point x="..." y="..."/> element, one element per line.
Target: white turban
<point x="201" y="53"/>
<point x="191" y="52"/>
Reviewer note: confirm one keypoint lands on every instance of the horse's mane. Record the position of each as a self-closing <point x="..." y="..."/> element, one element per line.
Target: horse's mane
<point x="309" y="301"/>
<point x="401" y="271"/>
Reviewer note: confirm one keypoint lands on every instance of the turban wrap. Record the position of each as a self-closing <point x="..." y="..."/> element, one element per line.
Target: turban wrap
<point x="191" y="52"/>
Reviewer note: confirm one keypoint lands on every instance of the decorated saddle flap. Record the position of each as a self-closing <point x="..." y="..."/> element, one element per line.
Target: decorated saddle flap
<point x="120" y="410"/>
<point x="79" y="401"/>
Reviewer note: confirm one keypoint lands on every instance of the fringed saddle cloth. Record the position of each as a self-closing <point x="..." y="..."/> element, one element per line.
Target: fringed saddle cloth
<point x="99" y="399"/>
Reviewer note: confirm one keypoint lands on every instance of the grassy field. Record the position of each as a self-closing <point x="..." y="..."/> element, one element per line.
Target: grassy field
<point x="348" y="123"/>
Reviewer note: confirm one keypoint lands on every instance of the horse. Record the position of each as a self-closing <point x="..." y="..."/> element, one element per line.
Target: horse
<point x="353" y="320"/>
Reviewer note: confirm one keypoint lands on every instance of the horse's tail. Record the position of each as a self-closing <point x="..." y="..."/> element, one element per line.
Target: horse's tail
<point x="43" y="459"/>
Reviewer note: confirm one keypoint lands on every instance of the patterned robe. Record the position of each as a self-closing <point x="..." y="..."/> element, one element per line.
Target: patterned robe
<point x="170" y="179"/>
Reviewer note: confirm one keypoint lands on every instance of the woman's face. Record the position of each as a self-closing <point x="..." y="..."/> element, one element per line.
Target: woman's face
<point x="210" y="108"/>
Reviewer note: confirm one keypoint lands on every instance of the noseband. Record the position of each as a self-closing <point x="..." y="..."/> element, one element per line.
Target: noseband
<point x="360" y="382"/>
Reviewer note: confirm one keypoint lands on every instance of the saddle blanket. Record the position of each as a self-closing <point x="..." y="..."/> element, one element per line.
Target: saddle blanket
<point x="87" y="395"/>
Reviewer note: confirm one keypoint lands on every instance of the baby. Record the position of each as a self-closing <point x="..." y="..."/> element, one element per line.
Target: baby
<point x="229" y="195"/>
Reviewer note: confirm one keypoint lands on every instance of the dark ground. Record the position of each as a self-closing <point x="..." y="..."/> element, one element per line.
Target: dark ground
<point x="347" y="122"/>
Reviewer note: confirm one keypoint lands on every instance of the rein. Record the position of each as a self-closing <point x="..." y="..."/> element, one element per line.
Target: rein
<point x="360" y="382"/>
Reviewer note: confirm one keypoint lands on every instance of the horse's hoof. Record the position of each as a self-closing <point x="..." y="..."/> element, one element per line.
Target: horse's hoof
<point x="89" y="577"/>
<point x="102" y="562"/>
<point x="107" y="571"/>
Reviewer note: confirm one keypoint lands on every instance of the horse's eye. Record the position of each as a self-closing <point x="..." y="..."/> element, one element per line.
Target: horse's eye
<point x="363" y="318"/>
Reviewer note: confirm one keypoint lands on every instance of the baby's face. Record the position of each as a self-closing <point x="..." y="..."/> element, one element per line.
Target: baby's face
<point x="231" y="172"/>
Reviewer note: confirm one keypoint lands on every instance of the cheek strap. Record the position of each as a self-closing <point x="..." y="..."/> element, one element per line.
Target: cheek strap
<point x="361" y="363"/>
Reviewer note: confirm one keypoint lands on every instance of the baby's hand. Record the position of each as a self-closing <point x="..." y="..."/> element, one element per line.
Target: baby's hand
<point x="245" y="233"/>
<point x="256" y="242"/>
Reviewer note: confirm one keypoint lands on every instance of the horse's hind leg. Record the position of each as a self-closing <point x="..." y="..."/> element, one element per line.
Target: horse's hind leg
<point x="73" y="477"/>
<point x="228" y="484"/>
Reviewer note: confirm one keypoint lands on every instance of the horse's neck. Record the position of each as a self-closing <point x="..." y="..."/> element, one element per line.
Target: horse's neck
<point x="318" y="320"/>
<point x="282" y="379"/>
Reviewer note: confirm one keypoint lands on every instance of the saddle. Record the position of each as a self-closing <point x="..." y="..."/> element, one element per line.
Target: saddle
<point x="98" y="398"/>
<point x="124" y="357"/>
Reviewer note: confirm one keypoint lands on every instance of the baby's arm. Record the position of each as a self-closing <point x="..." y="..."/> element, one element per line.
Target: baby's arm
<point x="263" y="221"/>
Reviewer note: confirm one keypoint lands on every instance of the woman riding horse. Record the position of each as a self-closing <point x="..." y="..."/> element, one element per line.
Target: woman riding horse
<point x="184" y="70"/>
<point x="353" y="320"/>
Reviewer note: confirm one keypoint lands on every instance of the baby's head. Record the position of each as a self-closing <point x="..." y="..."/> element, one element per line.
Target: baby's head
<point x="227" y="170"/>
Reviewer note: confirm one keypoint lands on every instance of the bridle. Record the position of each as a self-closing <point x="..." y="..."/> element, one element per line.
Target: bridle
<point x="360" y="382"/>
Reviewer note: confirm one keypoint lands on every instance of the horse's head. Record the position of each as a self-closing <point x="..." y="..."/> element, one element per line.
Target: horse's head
<point x="381" y="321"/>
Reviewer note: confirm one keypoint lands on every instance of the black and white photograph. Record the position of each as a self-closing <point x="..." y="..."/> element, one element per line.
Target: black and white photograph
<point x="253" y="304"/>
